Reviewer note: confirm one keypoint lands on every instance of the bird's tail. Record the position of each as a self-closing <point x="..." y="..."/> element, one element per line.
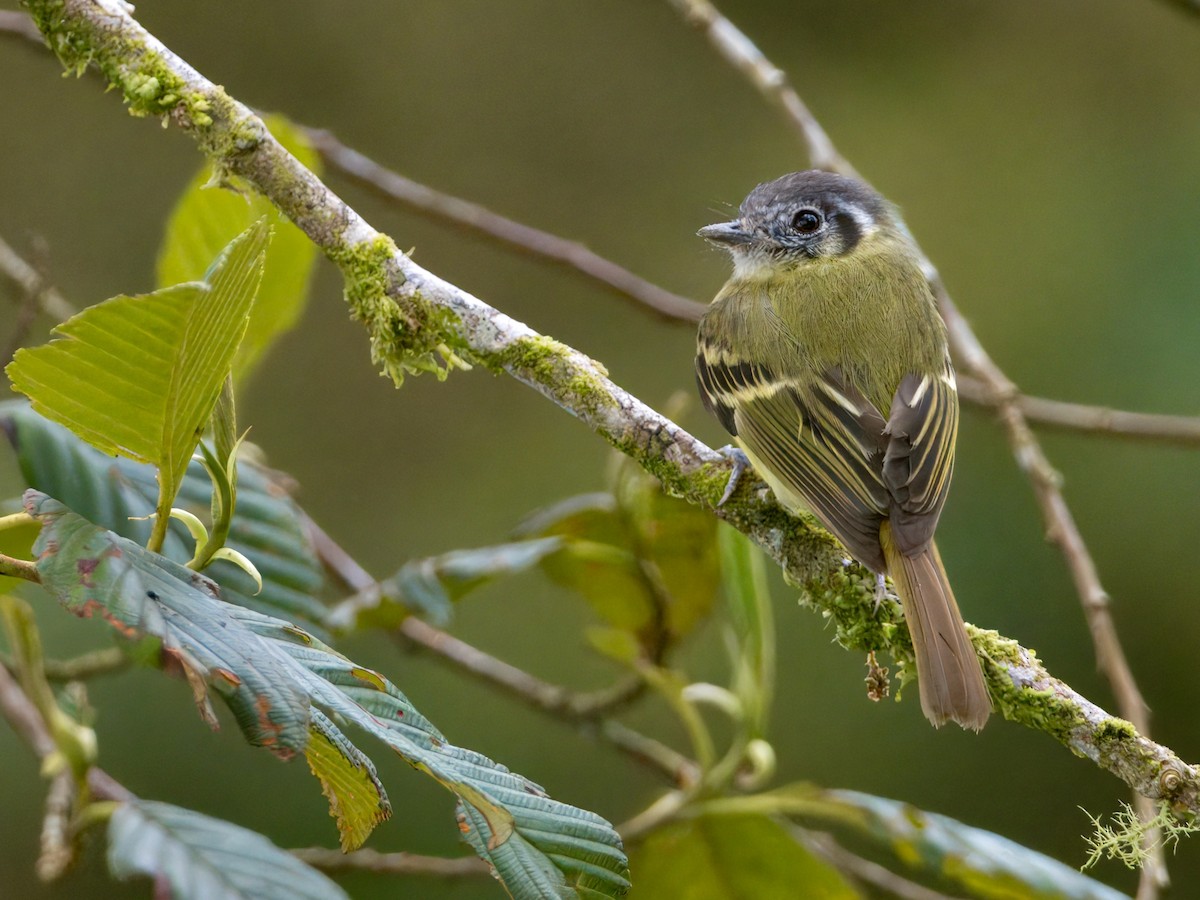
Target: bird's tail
<point x="948" y="673"/>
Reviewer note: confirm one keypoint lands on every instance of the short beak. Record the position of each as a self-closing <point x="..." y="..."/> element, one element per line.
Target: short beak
<point x="726" y="234"/>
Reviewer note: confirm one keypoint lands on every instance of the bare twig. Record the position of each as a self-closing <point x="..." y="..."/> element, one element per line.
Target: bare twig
<point x="682" y="771"/>
<point x="771" y="81"/>
<point x="23" y="716"/>
<point x="368" y="860"/>
<point x="1061" y="529"/>
<point x="107" y="661"/>
<point x="412" y="315"/>
<point x="335" y="558"/>
<point x="515" y="235"/>
<point x="1166" y="429"/>
<point x="542" y="695"/>
<point x="25" y="276"/>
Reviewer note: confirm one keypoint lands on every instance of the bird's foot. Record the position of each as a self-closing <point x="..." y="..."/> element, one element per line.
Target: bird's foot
<point x="881" y="591"/>
<point x="740" y="462"/>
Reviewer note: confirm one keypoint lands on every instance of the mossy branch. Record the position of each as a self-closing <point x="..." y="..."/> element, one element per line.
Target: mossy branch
<point x="418" y="322"/>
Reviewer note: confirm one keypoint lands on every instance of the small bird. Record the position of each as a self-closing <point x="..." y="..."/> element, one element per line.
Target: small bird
<point x="825" y="356"/>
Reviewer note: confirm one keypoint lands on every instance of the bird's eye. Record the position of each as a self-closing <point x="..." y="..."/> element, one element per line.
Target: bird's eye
<point x="806" y="221"/>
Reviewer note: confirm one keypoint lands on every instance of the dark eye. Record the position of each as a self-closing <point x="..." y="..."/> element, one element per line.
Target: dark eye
<point x="806" y="221"/>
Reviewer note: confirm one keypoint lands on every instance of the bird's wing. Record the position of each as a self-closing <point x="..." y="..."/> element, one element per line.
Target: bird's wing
<point x="821" y="441"/>
<point x="919" y="459"/>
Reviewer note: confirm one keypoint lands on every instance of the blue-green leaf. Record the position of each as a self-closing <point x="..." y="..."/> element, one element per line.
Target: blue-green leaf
<point x="203" y="858"/>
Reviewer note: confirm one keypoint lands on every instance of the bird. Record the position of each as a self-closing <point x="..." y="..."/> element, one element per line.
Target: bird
<point x="824" y="355"/>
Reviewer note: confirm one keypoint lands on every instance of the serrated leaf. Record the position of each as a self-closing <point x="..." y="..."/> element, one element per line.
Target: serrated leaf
<point x="95" y="572"/>
<point x="517" y="827"/>
<point x="207" y="217"/>
<point x="732" y="857"/>
<point x="203" y="858"/>
<point x="348" y="780"/>
<point x="138" y="376"/>
<point x="109" y="492"/>
<point x="237" y="650"/>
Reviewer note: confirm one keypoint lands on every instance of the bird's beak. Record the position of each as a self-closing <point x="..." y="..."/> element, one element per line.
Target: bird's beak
<point x="726" y="234"/>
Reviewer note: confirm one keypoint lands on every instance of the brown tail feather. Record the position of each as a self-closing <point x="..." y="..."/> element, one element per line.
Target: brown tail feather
<point x="948" y="673"/>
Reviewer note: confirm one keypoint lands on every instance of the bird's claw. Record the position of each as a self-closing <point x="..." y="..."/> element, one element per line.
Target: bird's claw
<point x="740" y="463"/>
<point x="881" y="590"/>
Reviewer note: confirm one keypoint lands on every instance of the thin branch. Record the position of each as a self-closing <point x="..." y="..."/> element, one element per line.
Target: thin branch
<point x="1166" y="429"/>
<point x="1061" y="529"/>
<point x="771" y="81"/>
<point x="334" y="557"/>
<point x="542" y="695"/>
<point x="106" y="661"/>
<point x="368" y="860"/>
<point x="25" y="276"/>
<point x="512" y="234"/>
<point x="682" y="771"/>
<point x="23" y="716"/>
<point x="413" y="317"/>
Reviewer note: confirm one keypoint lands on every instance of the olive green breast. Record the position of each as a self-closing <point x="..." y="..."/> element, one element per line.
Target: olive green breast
<point x="870" y="313"/>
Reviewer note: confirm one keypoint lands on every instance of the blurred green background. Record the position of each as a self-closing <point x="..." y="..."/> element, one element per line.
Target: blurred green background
<point x="1047" y="156"/>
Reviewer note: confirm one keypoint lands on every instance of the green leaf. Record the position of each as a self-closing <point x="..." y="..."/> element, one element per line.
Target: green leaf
<point x="744" y="577"/>
<point x="265" y="669"/>
<point x="977" y="862"/>
<point x="509" y="820"/>
<point x="95" y="572"/>
<point x="982" y="863"/>
<point x="348" y="780"/>
<point x="732" y="857"/>
<point x="139" y="376"/>
<point x="203" y="858"/>
<point x="207" y="217"/>
<point x="430" y="585"/>
<point x="597" y="559"/>
<point x="108" y="492"/>
<point x="678" y="538"/>
<point x="633" y="553"/>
